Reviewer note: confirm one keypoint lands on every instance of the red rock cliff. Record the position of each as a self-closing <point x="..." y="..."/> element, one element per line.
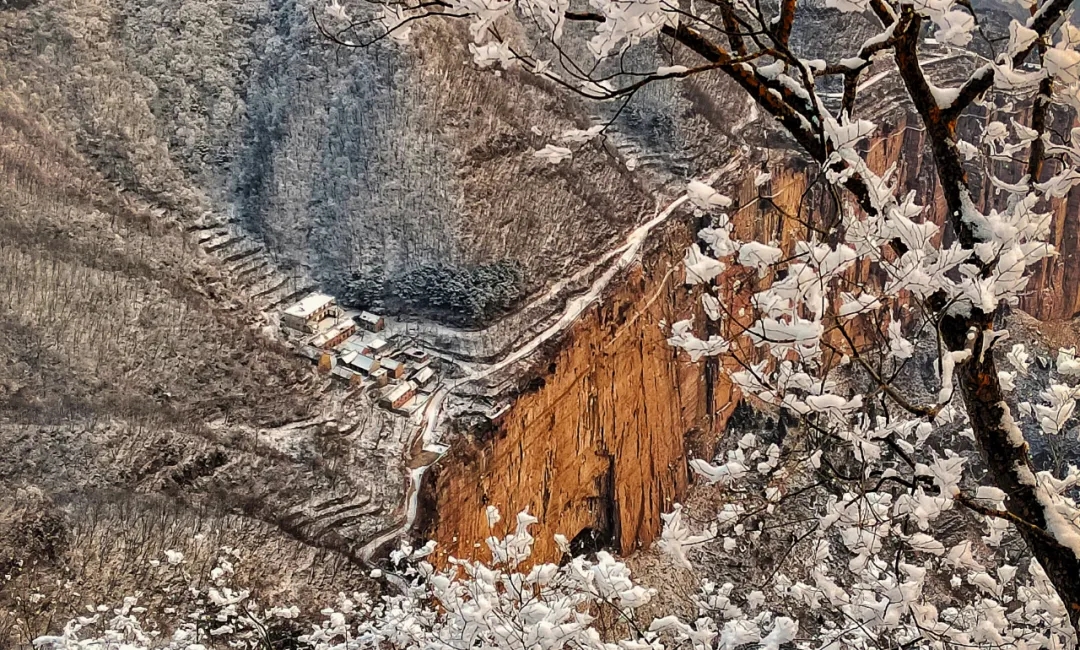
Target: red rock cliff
<point x="603" y="442"/>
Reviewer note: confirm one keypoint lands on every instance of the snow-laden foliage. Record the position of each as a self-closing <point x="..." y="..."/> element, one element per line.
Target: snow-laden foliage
<point x="877" y="567"/>
<point x="880" y="565"/>
<point x="883" y="572"/>
<point x="594" y="603"/>
<point x="503" y="603"/>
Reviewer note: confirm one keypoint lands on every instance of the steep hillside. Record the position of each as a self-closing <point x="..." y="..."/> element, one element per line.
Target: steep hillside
<point x="99" y="284"/>
<point x="140" y="404"/>
<point x="369" y="168"/>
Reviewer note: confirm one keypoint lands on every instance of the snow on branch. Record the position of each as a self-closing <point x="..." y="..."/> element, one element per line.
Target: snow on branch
<point x="831" y="323"/>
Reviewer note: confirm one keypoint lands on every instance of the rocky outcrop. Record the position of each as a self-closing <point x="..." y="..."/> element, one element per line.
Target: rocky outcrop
<point x="598" y="446"/>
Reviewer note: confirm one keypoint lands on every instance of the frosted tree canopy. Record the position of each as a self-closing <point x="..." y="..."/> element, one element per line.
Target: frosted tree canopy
<point x="809" y="328"/>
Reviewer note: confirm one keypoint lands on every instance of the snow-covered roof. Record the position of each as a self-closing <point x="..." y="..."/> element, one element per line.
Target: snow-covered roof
<point x="310" y="305"/>
<point x="355" y="344"/>
<point x="364" y="362"/>
<point x="344" y="373"/>
<point x="332" y="333"/>
<point x="424" y="376"/>
<point x="400" y="391"/>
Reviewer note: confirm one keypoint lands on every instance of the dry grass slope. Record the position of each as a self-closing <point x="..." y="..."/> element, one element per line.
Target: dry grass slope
<point x="136" y="401"/>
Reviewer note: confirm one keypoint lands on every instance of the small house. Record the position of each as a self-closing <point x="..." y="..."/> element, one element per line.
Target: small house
<point x="378" y="346"/>
<point x="356" y="344"/>
<point x="335" y="335"/>
<point x="424" y="378"/>
<point x="395" y="369"/>
<point x="361" y="362"/>
<point x="327" y="362"/>
<point x="417" y="366"/>
<point x="398" y="396"/>
<point x="371" y="322"/>
<point x="380" y="378"/>
<point x="306" y="314"/>
<point x="416" y="355"/>
<point x="348" y="376"/>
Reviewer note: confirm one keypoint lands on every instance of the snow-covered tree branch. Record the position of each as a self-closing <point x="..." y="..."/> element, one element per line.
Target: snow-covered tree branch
<point x="818" y="345"/>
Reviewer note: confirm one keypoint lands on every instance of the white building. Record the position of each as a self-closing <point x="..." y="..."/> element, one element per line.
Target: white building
<point x="371" y="322"/>
<point x="424" y="377"/>
<point x="306" y="314"/>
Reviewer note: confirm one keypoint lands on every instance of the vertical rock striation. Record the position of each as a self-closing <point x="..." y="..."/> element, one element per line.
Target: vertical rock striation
<point x="598" y="447"/>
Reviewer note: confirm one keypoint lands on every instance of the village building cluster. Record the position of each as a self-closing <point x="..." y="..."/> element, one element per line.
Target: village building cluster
<point x="354" y="348"/>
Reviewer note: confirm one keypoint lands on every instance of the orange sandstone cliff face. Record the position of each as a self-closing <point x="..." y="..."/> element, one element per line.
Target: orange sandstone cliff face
<point x="601" y="444"/>
<point x="601" y="441"/>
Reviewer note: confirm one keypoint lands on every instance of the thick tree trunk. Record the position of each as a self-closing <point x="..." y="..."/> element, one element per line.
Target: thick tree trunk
<point x="1009" y="464"/>
<point x="991" y="424"/>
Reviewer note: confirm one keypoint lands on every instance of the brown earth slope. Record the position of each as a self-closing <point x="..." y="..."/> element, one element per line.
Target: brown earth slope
<point x="138" y="407"/>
